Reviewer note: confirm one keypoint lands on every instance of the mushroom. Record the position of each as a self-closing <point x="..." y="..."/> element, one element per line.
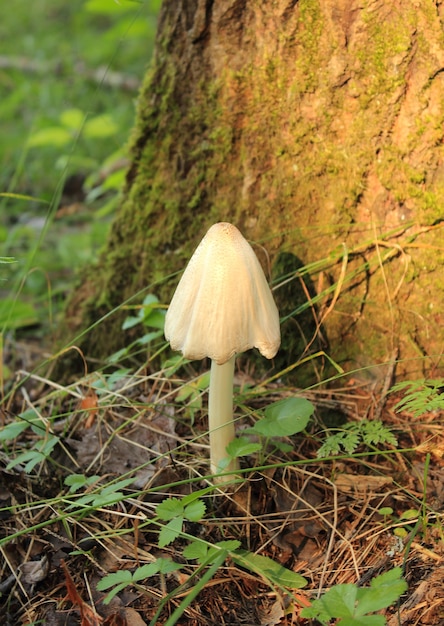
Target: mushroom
<point x="222" y="306"/>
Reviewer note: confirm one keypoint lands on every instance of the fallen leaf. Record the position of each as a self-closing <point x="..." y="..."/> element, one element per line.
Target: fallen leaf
<point x="357" y="483"/>
<point x="88" y="616"/>
<point x="273" y="615"/>
<point x="133" y="617"/>
<point x="115" y="619"/>
<point x="34" y="571"/>
<point x="123" y="452"/>
<point x="90" y="404"/>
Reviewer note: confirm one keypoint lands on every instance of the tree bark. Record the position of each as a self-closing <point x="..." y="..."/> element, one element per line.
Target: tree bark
<point x="315" y="126"/>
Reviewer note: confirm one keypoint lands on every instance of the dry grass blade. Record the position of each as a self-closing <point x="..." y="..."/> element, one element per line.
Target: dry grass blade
<point x="341" y="520"/>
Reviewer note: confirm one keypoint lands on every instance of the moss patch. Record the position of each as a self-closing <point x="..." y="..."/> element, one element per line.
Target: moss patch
<point x="310" y="128"/>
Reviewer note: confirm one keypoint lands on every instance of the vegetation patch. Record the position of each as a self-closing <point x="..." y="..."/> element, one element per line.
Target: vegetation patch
<point x="110" y="514"/>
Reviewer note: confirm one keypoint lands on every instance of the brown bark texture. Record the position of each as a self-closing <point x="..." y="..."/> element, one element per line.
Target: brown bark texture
<point x="315" y="126"/>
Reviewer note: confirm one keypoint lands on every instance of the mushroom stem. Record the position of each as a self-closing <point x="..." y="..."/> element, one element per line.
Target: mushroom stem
<point x="220" y="417"/>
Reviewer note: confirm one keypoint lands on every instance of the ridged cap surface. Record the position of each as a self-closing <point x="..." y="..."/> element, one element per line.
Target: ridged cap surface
<point x="223" y="304"/>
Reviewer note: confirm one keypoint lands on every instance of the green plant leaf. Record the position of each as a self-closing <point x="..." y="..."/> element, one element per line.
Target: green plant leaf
<point x="155" y="319"/>
<point x="100" y="127"/>
<point x="13" y="430"/>
<point x="130" y="322"/>
<point x="366" y="620"/>
<point x="107" y="499"/>
<point x="229" y="544"/>
<point x="148" y="338"/>
<point x="115" y="180"/>
<point x="340" y="600"/>
<point x="196" y="550"/>
<point x="110" y="494"/>
<point x="350" y="441"/>
<point x="269" y="569"/>
<point x="384" y="590"/>
<point x="221" y="546"/>
<point x="114" y="487"/>
<point x="409" y="514"/>
<point x="145" y="571"/>
<point x="282" y="446"/>
<point x="354" y="434"/>
<point x="170" y="531"/>
<point x="123" y="578"/>
<point x="120" y="579"/>
<point x="195" y="511"/>
<point x="195" y="495"/>
<point x="285" y="417"/>
<point x="17" y="314"/>
<point x="422" y="396"/>
<point x="149" y="314"/>
<point x="108" y="581"/>
<point x="166" y="566"/>
<point x="374" y="432"/>
<point x="385" y="510"/>
<point x="316" y="611"/>
<point x="29" y="459"/>
<point x="77" y="481"/>
<point x="352" y="604"/>
<point x="72" y="119"/>
<point x="54" y="136"/>
<point x="170" y="508"/>
<point x="202" y="552"/>
<point x="242" y="446"/>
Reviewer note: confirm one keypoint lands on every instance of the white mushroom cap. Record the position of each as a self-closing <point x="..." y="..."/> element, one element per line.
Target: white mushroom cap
<point x="223" y="304"/>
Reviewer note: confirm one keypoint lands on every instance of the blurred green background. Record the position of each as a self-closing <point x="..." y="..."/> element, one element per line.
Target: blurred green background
<point x="69" y="78"/>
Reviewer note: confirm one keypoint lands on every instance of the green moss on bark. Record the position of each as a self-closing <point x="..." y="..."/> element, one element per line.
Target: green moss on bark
<point x="309" y="125"/>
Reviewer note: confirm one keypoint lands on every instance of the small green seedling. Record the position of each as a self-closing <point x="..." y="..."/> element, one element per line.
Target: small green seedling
<point x="281" y="419"/>
<point x="175" y="512"/>
<point x="265" y="567"/>
<point x="99" y="497"/>
<point x="121" y="579"/>
<point x="190" y="394"/>
<point x="210" y="557"/>
<point x="44" y="443"/>
<point x="149" y="315"/>
<point x="404" y="524"/>
<point x="367" y="432"/>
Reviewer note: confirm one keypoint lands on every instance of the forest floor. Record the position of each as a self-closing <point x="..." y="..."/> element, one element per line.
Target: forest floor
<point x="79" y="493"/>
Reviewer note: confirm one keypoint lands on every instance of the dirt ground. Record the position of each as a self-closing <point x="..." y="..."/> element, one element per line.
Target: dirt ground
<point x="340" y="520"/>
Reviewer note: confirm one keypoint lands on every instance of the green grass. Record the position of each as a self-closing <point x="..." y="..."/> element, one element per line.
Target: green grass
<point x="72" y="40"/>
<point x="59" y="122"/>
<point x="185" y="541"/>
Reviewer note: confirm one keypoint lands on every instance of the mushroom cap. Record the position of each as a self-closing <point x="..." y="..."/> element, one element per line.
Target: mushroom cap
<point x="223" y="304"/>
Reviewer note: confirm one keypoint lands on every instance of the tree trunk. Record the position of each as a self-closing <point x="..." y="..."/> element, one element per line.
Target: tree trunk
<point x="315" y="126"/>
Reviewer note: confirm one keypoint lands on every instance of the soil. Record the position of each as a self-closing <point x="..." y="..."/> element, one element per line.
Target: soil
<point x="342" y="520"/>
